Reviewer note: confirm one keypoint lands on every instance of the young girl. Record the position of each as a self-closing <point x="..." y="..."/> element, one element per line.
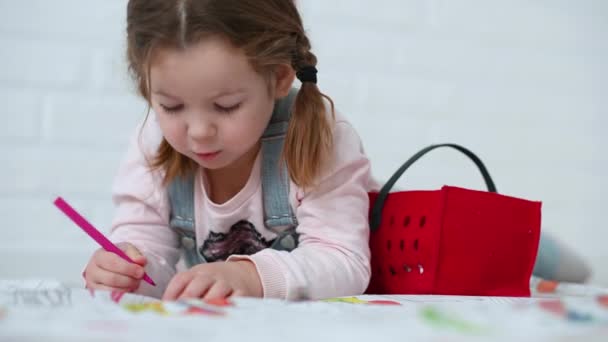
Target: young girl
<point x="261" y="187"/>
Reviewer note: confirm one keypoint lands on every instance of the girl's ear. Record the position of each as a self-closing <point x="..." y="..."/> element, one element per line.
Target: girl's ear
<point x="284" y="77"/>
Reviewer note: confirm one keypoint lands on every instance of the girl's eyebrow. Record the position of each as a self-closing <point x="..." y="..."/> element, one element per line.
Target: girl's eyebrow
<point x="162" y="93"/>
<point x="216" y="95"/>
<point x="227" y="92"/>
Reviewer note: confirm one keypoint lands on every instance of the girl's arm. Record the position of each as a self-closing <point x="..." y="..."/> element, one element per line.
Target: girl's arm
<point x="333" y="257"/>
<point x="142" y="211"/>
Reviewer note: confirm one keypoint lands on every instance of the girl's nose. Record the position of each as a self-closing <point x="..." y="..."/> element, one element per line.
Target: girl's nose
<point x="201" y="129"/>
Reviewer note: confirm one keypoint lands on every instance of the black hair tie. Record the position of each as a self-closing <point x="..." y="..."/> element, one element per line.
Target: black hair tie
<point x="307" y="74"/>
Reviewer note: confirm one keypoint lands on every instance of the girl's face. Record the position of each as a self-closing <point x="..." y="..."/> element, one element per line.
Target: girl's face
<point x="212" y="106"/>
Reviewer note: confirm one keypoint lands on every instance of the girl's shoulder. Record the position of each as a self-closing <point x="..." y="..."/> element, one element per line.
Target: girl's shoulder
<point x="347" y="159"/>
<point x="345" y="137"/>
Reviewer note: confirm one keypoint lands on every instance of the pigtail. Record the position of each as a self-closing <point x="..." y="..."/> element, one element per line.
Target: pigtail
<point x="309" y="140"/>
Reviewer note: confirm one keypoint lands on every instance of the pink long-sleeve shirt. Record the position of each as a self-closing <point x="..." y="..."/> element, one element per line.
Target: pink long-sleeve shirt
<point x="332" y="258"/>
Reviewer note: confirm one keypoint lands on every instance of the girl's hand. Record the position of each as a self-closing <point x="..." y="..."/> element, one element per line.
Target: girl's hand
<point x="108" y="271"/>
<point x="216" y="280"/>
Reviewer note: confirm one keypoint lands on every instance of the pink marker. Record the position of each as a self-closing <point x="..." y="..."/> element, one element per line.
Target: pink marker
<point x="94" y="233"/>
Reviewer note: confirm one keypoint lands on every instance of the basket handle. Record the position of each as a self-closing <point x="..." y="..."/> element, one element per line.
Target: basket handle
<point x="376" y="212"/>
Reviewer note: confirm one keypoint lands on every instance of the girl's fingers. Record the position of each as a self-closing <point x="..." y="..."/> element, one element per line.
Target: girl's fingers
<point x="133" y="253"/>
<point x="107" y="288"/>
<point x="219" y="290"/>
<point x="115" y="264"/>
<point x="177" y="285"/>
<point x="237" y="293"/>
<point x="104" y="277"/>
<point x="197" y="288"/>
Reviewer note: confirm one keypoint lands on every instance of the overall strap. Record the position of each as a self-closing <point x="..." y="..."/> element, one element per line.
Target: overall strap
<point x="181" y="217"/>
<point x="275" y="178"/>
<point x="181" y="198"/>
<point x="278" y="214"/>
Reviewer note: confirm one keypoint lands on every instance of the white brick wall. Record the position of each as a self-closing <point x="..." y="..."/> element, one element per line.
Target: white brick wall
<point x="522" y="83"/>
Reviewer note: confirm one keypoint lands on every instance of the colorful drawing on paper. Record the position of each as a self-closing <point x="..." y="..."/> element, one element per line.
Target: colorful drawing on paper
<point x="561" y="310"/>
<point x="441" y="319"/>
<point x="547" y="286"/>
<point x="555" y="307"/>
<point x="356" y="300"/>
<point x="156" y="307"/>
<point x="188" y="308"/>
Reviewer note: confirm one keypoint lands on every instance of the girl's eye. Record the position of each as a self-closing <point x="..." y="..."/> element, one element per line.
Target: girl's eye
<point x="172" y="109"/>
<point x="229" y="109"/>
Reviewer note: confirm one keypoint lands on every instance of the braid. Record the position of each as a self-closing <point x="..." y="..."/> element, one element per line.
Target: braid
<point x="303" y="56"/>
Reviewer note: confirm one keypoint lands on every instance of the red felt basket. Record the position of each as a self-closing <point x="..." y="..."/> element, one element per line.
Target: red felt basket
<point x="452" y="241"/>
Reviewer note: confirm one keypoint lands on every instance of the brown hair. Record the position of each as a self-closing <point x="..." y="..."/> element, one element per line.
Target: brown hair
<point x="270" y="33"/>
